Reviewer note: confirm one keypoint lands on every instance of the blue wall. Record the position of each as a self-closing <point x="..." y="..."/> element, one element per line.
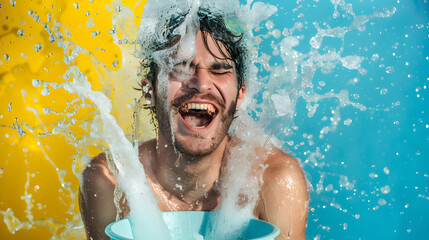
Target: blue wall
<point x="383" y="152"/>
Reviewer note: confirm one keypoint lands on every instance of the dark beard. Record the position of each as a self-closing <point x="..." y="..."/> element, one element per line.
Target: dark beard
<point x="221" y="134"/>
<point x="165" y="128"/>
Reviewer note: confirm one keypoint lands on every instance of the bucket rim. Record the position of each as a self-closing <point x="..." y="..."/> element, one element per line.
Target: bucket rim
<point x="274" y="233"/>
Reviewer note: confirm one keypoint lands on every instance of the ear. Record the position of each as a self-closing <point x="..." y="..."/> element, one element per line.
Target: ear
<point x="241" y="95"/>
<point x="147" y="91"/>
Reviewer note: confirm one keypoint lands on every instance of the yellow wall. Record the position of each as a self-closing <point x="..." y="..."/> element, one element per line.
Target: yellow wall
<point x="21" y="158"/>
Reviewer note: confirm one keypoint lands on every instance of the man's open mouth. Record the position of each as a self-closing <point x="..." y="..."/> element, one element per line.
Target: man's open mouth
<point x="198" y="115"/>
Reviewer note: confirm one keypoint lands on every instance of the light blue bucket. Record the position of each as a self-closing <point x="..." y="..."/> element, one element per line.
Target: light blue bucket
<point x="187" y="225"/>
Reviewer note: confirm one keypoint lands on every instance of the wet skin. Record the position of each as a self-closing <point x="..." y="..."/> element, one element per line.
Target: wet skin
<point x="187" y="181"/>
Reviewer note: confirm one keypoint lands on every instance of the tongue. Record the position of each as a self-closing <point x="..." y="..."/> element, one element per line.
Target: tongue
<point x="196" y="121"/>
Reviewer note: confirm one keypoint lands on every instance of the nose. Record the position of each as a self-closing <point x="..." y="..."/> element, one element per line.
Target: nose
<point x="200" y="81"/>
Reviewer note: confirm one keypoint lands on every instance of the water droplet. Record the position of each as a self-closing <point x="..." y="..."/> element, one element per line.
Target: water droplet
<point x="20" y="32"/>
<point x="329" y="188"/>
<point x="55" y="131"/>
<point x="90" y="23"/>
<point x="180" y="187"/>
<point x="13" y="3"/>
<point x="37" y="47"/>
<point x="390" y="69"/>
<point x="115" y="63"/>
<point x="51" y="38"/>
<point x="31" y="13"/>
<point x="16" y="126"/>
<point x="95" y="33"/>
<point x="386" y="170"/>
<point x="9" y="107"/>
<point x="277" y="34"/>
<point x="362" y="71"/>
<point x="375" y="57"/>
<point x="347" y="122"/>
<point x="344" y="182"/>
<point x="46" y="111"/>
<point x="49" y="17"/>
<point x="383" y="91"/>
<point x="59" y="35"/>
<point x="269" y="25"/>
<point x="36" y="82"/>
<point x="373" y="175"/>
<point x="6" y="57"/>
<point x="381" y="202"/>
<point x="385" y="189"/>
<point x="87" y="13"/>
<point x="25" y="150"/>
<point x="76" y="5"/>
<point x="45" y="91"/>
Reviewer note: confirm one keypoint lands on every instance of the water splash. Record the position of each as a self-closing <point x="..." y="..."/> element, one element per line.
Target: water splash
<point x="289" y="81"/>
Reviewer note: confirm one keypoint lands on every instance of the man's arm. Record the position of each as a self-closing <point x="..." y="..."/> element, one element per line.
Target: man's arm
<point x="284" y="196"/>
<point x="96" y="198"/>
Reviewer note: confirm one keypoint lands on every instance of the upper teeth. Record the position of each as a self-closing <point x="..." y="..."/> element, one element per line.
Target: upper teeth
<point x="201" y="106"/>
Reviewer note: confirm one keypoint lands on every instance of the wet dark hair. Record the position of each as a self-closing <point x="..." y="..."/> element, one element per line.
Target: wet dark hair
<point x="215" y="27"/>
<point x="212" y="25"/>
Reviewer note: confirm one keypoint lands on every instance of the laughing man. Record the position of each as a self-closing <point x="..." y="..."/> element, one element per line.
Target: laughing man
<point x="195" y="100"/>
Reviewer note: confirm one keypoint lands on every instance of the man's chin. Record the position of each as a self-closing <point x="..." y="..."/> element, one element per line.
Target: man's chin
<point x="195" y="151"/>
<point x="196" y="146"/>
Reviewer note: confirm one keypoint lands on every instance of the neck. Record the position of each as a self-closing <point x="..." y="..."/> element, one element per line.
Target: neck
<point x="189" y="178"/>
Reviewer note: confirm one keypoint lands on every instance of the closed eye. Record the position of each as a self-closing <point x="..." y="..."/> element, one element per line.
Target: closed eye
<point x="221" y="68"/>
<point x="220" y="72"/>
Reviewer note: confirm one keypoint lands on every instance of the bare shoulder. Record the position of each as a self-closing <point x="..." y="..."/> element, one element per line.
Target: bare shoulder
<point x="98" y="175"/>
<point x="98" y="170"/>
<point x="281" y="166"/>
<point x="96" y="198"/>
<point x="284" y="195"/>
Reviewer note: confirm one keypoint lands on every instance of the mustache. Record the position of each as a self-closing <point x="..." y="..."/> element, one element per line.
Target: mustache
<point x="178" y="102"/>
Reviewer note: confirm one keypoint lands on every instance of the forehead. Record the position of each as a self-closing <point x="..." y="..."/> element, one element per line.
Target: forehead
<point x="211" y="49"/>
